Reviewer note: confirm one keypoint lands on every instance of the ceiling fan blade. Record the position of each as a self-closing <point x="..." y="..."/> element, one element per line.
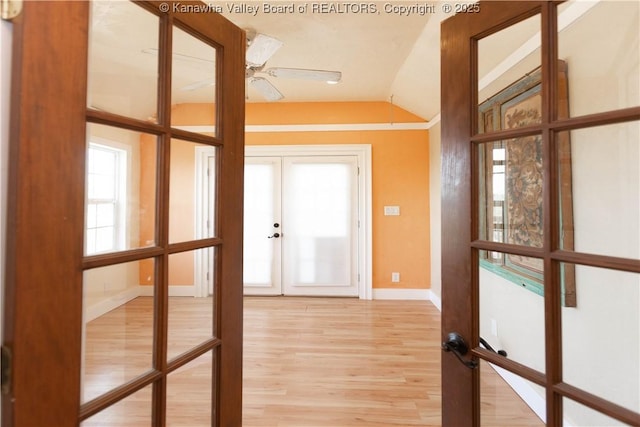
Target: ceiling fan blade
<point x="305" y="74"/>
<point x="268" y="91"/>
<point x="198" y="85"/>
<point x="260" y="49"/>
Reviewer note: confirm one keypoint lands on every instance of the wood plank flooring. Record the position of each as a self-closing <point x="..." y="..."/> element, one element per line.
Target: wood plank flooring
<point x="330" y="362"/>
<point x="340" y="362"/>
<point x="346" y="362"/>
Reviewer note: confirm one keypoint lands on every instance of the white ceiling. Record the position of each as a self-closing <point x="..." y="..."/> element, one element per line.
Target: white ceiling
<point x="380" y="55"/>
<point x="367" y="48"/>
<point x="386" y="55"/>
<point x="383" y="56"/>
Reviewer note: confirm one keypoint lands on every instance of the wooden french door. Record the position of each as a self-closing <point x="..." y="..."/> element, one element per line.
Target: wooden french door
<point x="99" y="213"/>
<point x="541" y="202"/>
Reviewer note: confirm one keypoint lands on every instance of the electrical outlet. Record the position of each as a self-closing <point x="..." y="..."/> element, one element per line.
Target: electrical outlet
<point x="395" y="277"/>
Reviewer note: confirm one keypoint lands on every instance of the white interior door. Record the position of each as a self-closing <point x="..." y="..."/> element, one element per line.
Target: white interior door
<point x="262" y="211"/>
<point x="301" y="223"/>
<point x="320" y="230"/>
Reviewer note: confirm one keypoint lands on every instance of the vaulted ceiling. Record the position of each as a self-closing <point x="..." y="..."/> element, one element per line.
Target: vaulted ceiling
<point x="386" y="51"/>
<point x="380" y="52"/>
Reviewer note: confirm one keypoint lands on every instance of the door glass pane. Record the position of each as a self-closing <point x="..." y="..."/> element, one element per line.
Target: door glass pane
<point x="600" y="189"/>
<point x="121" y="189"/>
<point x="507" y="92"/>
<point x="118" y="325"/>
<point x="193" y="83"/>
<point x="123" y="60"/>
<point x="192" y="191"/>
<point x="132" y="411"/>
<point x="319" y="211"/>
<point x="510" y="185"/>
<point x="599" y="41"/>
<point x="261" y="194"/>
<point x="190" y="393"/>
<point x="601" y="336"/>
<point x="512" y="308"/>
<point x="190" y="319"/>
<point x="576" y="414"/>
<point x="509" y="400"/>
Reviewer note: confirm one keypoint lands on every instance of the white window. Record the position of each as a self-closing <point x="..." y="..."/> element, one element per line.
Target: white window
<point x="106" y="199"/>
<point x="498" y="188"/>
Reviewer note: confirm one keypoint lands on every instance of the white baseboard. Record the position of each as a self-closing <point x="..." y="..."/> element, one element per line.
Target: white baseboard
<point x="106" y="305"/>
<point x="435" y="299"/>
<point x="401" y="294"/>
<point x="536" y="402"/>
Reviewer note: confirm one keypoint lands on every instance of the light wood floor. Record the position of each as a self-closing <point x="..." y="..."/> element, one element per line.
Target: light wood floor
<point x="330" y="362"/>
<point x="346" y="362"/>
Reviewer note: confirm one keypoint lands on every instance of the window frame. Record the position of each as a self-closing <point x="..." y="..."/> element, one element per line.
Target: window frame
<point x="122" y="178"/>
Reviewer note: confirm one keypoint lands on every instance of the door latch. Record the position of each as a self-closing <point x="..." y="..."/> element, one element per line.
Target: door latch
<point x="458" y="346"/>
<point x="275" y="235"/>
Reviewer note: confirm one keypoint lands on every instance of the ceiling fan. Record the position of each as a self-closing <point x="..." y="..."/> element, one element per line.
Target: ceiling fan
<point x="260" y="48"/>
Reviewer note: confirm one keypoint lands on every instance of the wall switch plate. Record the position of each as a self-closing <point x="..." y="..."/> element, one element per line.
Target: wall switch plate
<point x="392" y="210"/>
<point x="395" y="277"/>
<point x="494" y="327"/>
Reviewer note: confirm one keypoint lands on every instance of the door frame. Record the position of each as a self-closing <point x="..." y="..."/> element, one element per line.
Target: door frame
<point x="200" y="265"/>
<point x="42" y="323"/>
<point x="363" y="154"/>
<point x="462" y="242"/>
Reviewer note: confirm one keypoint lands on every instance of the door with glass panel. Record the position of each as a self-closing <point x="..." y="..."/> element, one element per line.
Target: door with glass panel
<point x="541" y="156"/>
<point x="301" y="226"/>
<point x="109" y="332"/>
<point x="262" y="226"/>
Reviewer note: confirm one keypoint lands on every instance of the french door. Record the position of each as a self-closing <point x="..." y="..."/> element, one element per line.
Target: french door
<point x="301" y="223"/>
<point x="101" y="217"/>
<point x="262" y="268"/>
<point x="541" y="195"/>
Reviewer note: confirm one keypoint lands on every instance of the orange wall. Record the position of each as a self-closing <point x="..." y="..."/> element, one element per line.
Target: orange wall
<point x="400" y="172"/>
<point x="181" y="205"/>
<point x="400" y="176"/>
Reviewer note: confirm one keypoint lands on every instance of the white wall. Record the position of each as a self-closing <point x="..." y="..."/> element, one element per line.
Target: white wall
<point x="606" y="191"/>
<point x="602" y="53"/>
